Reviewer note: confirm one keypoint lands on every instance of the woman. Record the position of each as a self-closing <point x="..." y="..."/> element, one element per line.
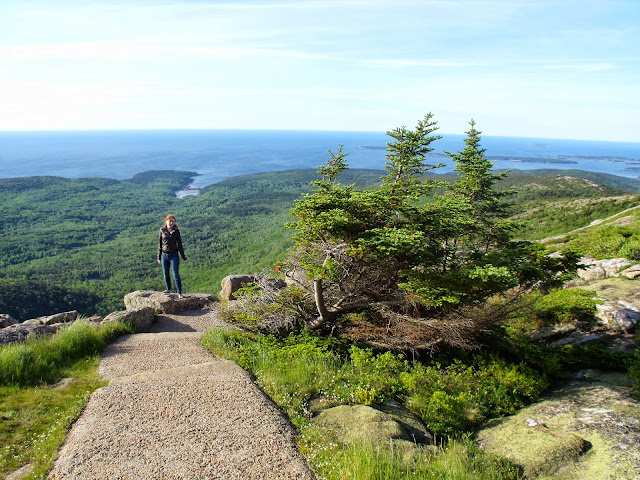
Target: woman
<point x="169" y="245"/>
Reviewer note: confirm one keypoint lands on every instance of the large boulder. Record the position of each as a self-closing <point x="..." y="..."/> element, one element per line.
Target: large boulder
<point x="547" y="450"/>
<point x="614" y="265"/>
<point x="63" y="317"/>
<point x="166" y="302"/>
<point x="591" y="273"/>
<point x="361" y="423"/>
<point x="547" y="334"/>
<point x="20" y="332"/>
<point x="621" y="315"/>
<point x="139" y="319"/>
<point x="6" y="320"/>
<point x="232" y="283"/>
<point x="584" y="428"/>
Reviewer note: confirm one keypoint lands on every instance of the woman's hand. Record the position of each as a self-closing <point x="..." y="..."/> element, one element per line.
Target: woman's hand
<point x="159" y="262"/>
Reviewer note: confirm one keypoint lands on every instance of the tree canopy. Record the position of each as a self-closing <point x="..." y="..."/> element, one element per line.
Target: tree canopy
<point x="413" y="248"/>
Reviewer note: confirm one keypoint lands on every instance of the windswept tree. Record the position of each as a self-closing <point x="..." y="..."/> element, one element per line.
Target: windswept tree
<point x="414" y="253"/>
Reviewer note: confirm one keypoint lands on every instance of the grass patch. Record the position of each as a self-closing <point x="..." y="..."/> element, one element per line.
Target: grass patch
<point x="458" y="460"/>
<point x="608" y="241"/>
<point x="451" y="400"/>
<point x="42" y="360"/>
<point x="35" y="420"/>
<point x="35" y="413"/>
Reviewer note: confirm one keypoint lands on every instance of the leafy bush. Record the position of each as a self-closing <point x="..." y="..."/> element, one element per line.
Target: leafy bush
<point x="578" y="357"/>
<point x="457" y="397"/>
<point x="379" y="376"/>
<point x="559" y="362"/>
<point x="535" y="310"/>
<point x="40" y="360"/>
<point x="566" y="305"/>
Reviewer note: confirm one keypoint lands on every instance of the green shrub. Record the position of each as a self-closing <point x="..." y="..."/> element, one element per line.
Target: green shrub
<point x="379" y="376"/>
<point x="455" y="398"/>
<point x="450" y="399"/>
<point x="598" y="356"/>
<point x="542" y="358"/>
<point x="561" y="361"/>
<point x="566" y="305"/>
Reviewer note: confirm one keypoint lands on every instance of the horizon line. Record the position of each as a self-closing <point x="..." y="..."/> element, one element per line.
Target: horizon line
<point x="123" y="130"/>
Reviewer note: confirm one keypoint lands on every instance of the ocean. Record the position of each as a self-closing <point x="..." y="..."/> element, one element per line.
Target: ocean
<point x="217" y="154"/>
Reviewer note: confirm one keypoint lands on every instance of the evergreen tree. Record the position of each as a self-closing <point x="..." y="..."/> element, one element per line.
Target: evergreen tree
<point x="406" y="251"/>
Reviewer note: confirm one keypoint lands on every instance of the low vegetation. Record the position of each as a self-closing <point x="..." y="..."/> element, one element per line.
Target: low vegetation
<point x="35" y="410"/>
<point x="298" y="369"/>
<point x="452" y="394"/>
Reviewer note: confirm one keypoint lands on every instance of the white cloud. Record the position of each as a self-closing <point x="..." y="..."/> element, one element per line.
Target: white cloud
<point x="124" y="50"/>
<point x="417" y="62"/>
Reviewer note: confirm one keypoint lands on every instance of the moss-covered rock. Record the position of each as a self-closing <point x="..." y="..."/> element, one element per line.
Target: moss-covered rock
<point x="535" y="447"/>
<point x="361" y="423"/>
<point x="588" y="427"/>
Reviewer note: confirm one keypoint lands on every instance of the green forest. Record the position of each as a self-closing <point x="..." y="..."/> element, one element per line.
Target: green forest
<point x="84" y="243"/>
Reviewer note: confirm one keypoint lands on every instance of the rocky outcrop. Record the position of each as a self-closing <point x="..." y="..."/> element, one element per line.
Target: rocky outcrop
<point x="20" y="332"/>
<point x="580" y="429"/>
<point x="41" y="326"/>
<point x="599" y="269"/>
<point x="232" y="283"/>
<point x="141" y="309"/>
<point x="139" y="319"/>
<point x="6" y="320"/>
<point x="622" y="315"/>
<point x="166" y="302"/>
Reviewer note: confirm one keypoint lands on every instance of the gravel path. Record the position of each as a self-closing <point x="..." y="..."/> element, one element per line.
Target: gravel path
<point x="174" y="411"/>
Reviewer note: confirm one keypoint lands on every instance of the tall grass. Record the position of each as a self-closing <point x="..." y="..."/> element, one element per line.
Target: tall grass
<point x="309" y="369"/>
<point x="458" y="460"/>
<point x="41" y="360"/>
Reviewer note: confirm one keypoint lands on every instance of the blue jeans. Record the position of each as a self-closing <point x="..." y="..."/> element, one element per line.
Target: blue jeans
<point x="171" y="260"/>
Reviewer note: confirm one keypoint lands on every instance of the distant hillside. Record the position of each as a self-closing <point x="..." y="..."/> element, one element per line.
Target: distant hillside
<point x="630" y="185"/>
<point x="97" y="238"/>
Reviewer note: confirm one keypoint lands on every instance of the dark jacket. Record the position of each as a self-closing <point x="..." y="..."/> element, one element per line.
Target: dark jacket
<point x="170" y="242"/>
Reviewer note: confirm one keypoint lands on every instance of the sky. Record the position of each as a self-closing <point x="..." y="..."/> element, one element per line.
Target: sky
<point x="523" y="68"/>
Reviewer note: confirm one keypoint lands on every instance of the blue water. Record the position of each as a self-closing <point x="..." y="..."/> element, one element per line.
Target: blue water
<point x="216" y="154"/>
